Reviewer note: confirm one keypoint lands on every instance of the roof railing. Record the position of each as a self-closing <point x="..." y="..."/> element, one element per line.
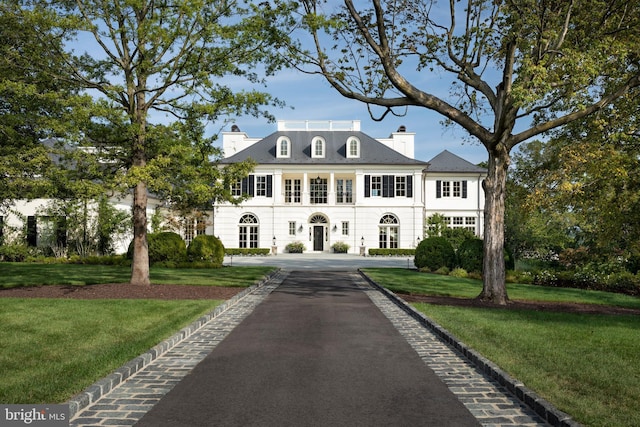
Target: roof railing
<point x="319" y="125"/>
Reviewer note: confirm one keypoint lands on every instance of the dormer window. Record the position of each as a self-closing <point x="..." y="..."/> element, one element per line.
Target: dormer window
<point x="318" y="148"/>
<point x="283" y="147"/>
<point x="353" y="148"/>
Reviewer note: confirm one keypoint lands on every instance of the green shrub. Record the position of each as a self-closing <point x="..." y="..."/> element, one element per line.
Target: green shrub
<point x="14" y="253"/>
<point x="444" y="271"/>
<point x="164" y="247"/>
<point x="340" y="247"/>
<point x="247" y="251"/>
<point x="470" y="255"/>
<point x="206" y="248"/>
<point x="296" y="247"/>
<point x="458" y="272"/>
<point x="433" y="253"/>
<point x="392" y="252"/>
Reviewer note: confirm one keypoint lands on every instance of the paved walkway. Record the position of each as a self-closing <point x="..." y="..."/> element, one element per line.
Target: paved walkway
<point x="140" y="397"/>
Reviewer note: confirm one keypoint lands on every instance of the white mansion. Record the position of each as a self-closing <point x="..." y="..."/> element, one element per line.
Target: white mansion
<point x="324" y="182"/>
<point x="318" y="183"/>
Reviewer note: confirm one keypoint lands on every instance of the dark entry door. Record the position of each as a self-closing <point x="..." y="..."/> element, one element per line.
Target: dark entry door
<point x="318" y="238"/>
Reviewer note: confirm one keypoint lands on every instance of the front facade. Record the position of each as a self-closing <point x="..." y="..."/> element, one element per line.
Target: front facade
<point x="327" y="183"/>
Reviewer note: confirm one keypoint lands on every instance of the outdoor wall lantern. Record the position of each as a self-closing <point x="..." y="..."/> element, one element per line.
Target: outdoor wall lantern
<point x="362" y="241"/>
<point x="335" y="228"/>
<point x="274" y="240"/>
<point x="318" y="180"/>
<point x="301" y="229"/>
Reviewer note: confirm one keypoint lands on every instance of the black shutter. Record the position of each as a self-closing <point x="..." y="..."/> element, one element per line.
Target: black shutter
<point x="367" y="186"/>
<point x="464" y="189"/>
<point x="269" y="185"/>
<point x="388" y="182"/>
<point x="32" y="231"/>
<point x="61" y="232"/>
<point x="409" y="185"/>
<point x="438" y="189"/>
<point x="245" y="186"/>
<point x="252" y="185"/>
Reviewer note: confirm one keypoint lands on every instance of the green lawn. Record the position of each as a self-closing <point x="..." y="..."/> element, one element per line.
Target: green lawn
<point x="411" y="281"/>
<point x="586" y="365"/>
<point x="32" y="274"/>
<point x="55" y="348"/>
<point x="52" y="349"/>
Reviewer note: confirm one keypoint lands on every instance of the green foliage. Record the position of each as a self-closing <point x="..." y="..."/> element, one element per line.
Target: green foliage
<point x="433" y="253"/>
<point x="165" y="246"/>
<point x="295" y="247"/>
<point x="470" y="255"/>
<point x="247" y="251"/>
<point x="14" y="252"/>
<point x="459" y="272"/>
<point x="206" y="248"/>
<point x="340" y="247"/>
<point x="391" y="252"/>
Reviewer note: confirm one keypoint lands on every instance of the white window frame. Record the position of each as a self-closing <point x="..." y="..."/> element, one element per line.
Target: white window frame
<point x="283" y="148"/>
<point x="353" y="148"/>
<point x="318" y="147"/>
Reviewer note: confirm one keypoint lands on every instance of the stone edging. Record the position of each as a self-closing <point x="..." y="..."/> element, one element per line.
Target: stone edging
<point x="100" y="388"/>
<point x="539" y="405"/>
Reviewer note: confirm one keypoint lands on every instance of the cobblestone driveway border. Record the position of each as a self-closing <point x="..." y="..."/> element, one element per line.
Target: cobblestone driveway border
<point x="540" y="406"/>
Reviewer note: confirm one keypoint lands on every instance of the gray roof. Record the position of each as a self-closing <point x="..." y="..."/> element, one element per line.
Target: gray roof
<point x="371" y="150"/>
<point x="449" y="162"/>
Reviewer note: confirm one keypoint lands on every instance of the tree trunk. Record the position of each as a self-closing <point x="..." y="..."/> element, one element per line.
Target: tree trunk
<point x="493" y="279"/>
<point x="140" y="264"/>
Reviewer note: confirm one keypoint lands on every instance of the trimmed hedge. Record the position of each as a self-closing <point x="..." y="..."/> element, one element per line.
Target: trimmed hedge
<point x="392" y="252"/>
<point x="206" y="248"/>
<point x="247" y="251"/>
<point x="434" y="253"/>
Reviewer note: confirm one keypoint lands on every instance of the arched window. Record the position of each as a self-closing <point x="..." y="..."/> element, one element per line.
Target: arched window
<point x="353" y="147"/>
<point x="248" y="231"/>
<point x="388" y="232"/>
<point x="318" y="147"/>
<point x="283" y="147"/>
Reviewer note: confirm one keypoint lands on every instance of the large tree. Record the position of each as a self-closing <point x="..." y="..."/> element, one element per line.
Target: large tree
<point x="34" y="106"/>
<point x="178" y="58"/>
<point x="519" y="69"/>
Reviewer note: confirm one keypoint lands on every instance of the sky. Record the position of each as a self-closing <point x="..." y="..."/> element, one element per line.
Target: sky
<point x="309" y="97"/>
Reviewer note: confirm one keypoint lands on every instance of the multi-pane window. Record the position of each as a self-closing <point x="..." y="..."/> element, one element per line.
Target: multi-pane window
<point x="345" y="228"/>
<point x="292" y="228"/>
<point x="318" y="191"/>
<point x="189" y="230"/>
<point x="451" y="189"/>
<point x="236" y="188"/>
<point x="317" y="148"/>
<point x="248" y="232"/>
<point x="457" y="221"/>
<point x="388" y="234"/>
<point x="446" y="189"/>
<point x="344" y="191"/>
<point x="292" y="190"/>
<point x="353" y="148"/>
<point x="261" y="185"/>
<point x="283" y="147"/>
<point x="401" y="186"/>
<point x="376" y="186"/>
<point x="456" y="189"/>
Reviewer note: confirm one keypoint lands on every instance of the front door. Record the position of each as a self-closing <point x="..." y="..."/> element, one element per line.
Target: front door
<point x="318" y="238"/>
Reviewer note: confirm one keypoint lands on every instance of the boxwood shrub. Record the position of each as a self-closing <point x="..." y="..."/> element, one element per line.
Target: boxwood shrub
<point x="164" y="247"/>
<point x="206" y="248"/>
<point x="434" y="253"/>
<point x="247" y="251"/>
<point x="392" y="252"/>
<point x="470" y="255"/>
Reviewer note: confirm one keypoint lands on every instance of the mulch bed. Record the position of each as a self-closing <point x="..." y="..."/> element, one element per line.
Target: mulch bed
<point x="177" y="292"/>
<point x="122" y="291"/>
